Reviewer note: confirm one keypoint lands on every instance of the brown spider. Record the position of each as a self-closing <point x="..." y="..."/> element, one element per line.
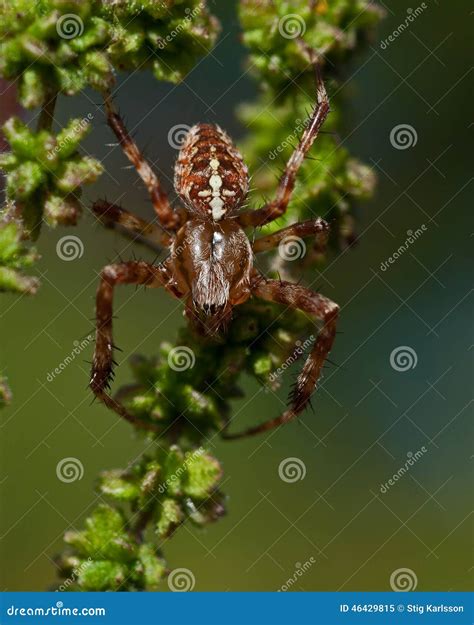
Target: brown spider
<point x="210" y="265"/>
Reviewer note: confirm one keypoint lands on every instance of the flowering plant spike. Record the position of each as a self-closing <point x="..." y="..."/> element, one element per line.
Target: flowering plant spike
<point x="180" y="399"/>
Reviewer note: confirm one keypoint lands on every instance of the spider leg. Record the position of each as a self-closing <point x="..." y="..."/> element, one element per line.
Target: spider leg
<point x="167" y="217"/>
<point x="132" y="226"/>
<point x="134" y="272"/>
<point x="319" y="307"/>
<point x="278" y="206"/>
<point x="317" y="227"/>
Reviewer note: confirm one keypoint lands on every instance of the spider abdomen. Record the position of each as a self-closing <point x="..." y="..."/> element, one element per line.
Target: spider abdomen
<point x="210" y="175"/>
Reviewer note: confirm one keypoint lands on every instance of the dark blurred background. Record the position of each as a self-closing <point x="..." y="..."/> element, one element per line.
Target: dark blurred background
<point x="368" y="416"/>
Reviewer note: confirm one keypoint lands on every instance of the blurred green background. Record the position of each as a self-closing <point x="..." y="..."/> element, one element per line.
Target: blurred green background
<point x="368" y="417"/>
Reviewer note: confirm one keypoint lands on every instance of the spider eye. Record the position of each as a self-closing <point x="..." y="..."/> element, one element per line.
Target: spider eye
<point x="212" y="309"/>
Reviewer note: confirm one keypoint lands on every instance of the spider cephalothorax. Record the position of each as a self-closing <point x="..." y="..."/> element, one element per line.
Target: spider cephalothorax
<point x="210" y="265"/>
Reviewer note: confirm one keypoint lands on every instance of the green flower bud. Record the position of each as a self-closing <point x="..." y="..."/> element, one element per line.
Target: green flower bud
<point x="153" y="567"/>
<point x="118" y="486"/>
<point x="203" y="472"/>
<point x="61" y="210"/>
<point x="102" y="575"/>
<point x="170" y="516"/>
<point x="24" y="180"/>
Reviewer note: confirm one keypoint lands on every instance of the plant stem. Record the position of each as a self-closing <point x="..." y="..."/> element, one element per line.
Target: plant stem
<point x="46" y="117"/>
<point x="144" y="517"/>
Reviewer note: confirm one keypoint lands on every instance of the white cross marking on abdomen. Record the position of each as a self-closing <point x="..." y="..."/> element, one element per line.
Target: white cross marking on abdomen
<point x="215" y="182"/>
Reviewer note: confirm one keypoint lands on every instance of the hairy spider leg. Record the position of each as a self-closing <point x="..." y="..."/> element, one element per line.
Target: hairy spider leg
<point x="275" y="209"/>
<point x="302" y="230"/>
<point x="320" y="308"/>
<point x="118" y="218"/>
<point x="133" y="272"/>
<point x="168" y="218"/>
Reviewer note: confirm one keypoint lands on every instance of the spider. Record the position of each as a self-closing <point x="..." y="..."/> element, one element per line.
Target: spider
<point x="210" y="261"/>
